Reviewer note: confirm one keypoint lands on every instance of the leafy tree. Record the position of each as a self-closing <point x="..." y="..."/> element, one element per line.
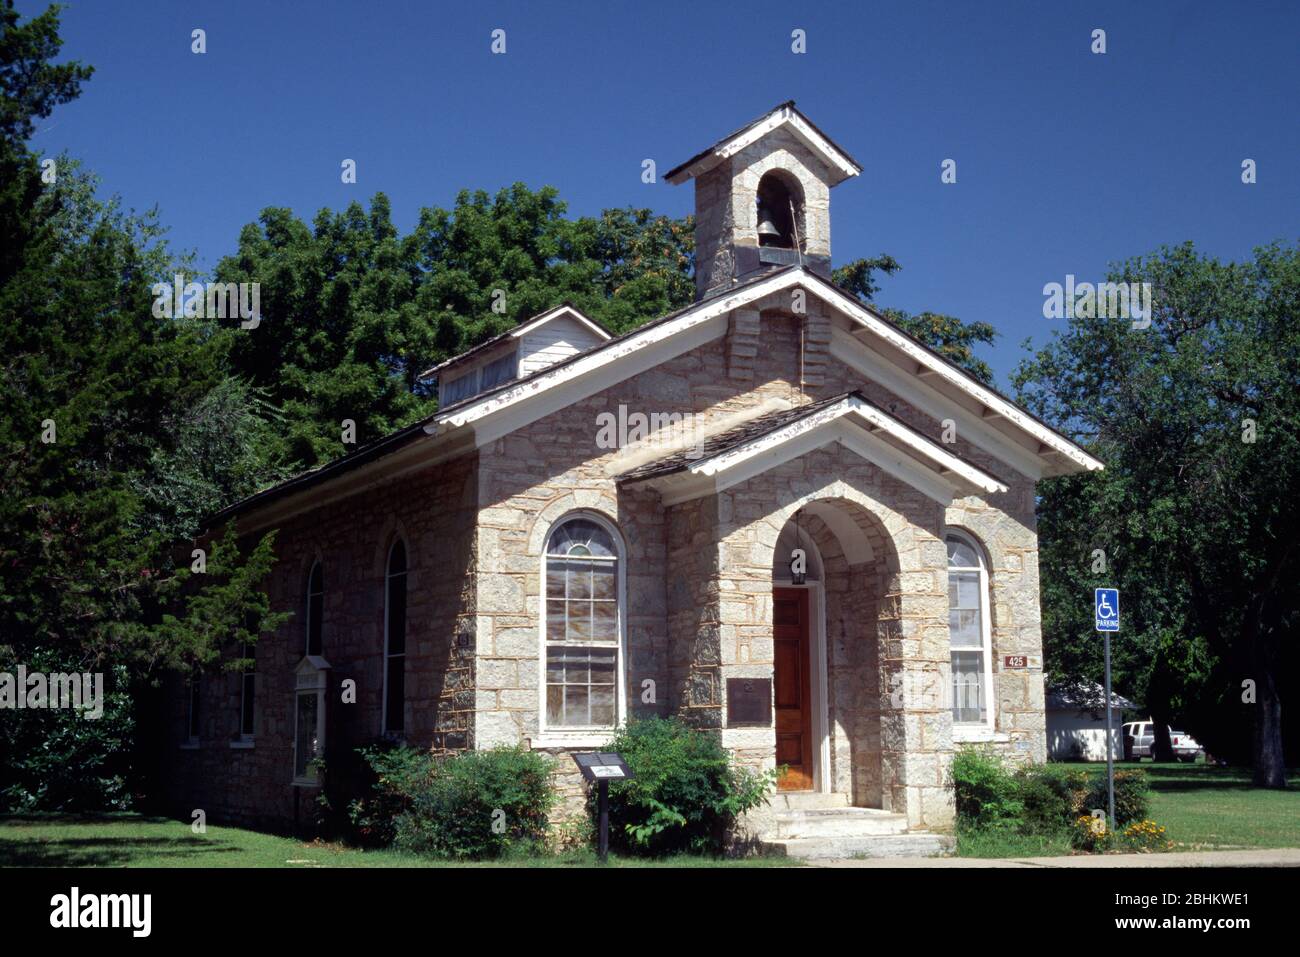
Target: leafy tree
<point x="103" y="408"/>
<point x="952" y="338"/>
<point x="1196" y="419"/>
<point x="352" y="313"/>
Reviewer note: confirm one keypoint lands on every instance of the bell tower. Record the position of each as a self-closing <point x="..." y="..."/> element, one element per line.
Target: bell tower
<point x="762" y="200"/>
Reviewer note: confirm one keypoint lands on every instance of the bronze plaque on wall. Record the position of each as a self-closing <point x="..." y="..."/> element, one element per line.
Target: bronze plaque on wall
<point x="749" y="702"/>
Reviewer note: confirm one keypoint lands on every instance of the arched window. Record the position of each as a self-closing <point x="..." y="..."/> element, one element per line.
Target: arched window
<point x="583" y="625"/>
<point x="395" y="640"/>
<point x="315" y="608"/>
<point x="969" y="631"/>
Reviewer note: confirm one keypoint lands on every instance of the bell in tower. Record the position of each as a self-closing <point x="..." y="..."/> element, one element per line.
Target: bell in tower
<point x="762" y="200"/>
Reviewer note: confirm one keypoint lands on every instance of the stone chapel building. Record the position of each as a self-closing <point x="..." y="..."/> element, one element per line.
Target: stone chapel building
<point x="772" y="513"/>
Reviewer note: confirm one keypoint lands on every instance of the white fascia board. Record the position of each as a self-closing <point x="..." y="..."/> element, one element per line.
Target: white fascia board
<point x="803" y="435"/>
<point x="684" y="486"/>
<point x="941" y="370"/>
<point x="851" y="422"/>
<point x="943" y="459"/>
<point x="823" y="148"/>
<point x="556" y="313"/>
<point x="870" y="365"/>
<point x="586" y="375"/>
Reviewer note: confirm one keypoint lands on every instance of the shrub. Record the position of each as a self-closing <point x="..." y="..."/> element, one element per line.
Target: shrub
<point x="58" y="759"/>
<point x="1132" y="795"/>
<point x="987" y="795"/>
<point x="1045" y="794"/>
<point x="478" y="804"/>
<point x="686" y="794"/>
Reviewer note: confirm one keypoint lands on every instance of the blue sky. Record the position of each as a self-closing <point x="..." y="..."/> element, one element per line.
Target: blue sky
<point x="1066" y="160"/>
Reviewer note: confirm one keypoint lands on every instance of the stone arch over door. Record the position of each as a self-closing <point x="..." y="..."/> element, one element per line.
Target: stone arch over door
<point x="886" y="641"/>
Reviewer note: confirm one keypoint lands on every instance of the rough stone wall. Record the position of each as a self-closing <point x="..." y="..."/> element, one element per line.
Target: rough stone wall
<point x="908" y="765"/>
<point x="434" y="511"/>
<point x="1005" y="524"/>
<point x="726" y="205"/>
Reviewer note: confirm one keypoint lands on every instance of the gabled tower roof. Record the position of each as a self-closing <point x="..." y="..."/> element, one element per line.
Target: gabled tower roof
<point x="840" y="164"/>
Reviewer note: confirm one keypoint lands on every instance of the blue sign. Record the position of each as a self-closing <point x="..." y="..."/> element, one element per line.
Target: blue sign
<point x="1107" y="600"/>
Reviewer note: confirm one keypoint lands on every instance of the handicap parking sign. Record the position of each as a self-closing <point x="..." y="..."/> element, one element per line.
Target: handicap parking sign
<point x="1107" y="600"/>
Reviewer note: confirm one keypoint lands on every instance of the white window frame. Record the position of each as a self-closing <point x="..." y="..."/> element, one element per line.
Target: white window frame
<point x="306" y="684"/>
<point x="568" y="735"/>
<point x="306" y="638"/>
<point x="387" y="732"/>
<point x="975" y="730"/>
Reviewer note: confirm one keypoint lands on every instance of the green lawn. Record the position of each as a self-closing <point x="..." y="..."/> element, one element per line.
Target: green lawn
<point x="1201" y="807"/>
<point x="130" y="840"/>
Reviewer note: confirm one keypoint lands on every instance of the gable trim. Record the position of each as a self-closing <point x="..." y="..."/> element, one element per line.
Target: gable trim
<point x="566" y="374"/>
<point x="818" y="142"/>
<point x="853" y="422"/>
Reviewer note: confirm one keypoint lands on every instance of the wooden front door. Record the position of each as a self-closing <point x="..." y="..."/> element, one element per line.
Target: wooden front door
<point x="793" y="691"/>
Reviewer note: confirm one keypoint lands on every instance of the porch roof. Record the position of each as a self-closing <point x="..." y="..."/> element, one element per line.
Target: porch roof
<point x="850" y="418"/>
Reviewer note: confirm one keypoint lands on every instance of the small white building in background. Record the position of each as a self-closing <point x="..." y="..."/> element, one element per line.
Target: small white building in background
<point x="1076" y="723"/>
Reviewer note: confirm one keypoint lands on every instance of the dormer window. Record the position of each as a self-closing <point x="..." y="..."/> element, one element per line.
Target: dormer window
<point x="537" y="344"/>
<point x="487" y="376"/>
<point x="499" y="371"/>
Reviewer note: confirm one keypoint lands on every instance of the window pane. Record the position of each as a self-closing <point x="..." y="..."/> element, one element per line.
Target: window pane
<point x="575" y="705"/>
<point x="458" y="388"/>
<point x="960" y="554"/>
<point x="556" y="627"/>
<point x="581" y="687"/>
<point x="964" y="629"/>
<point x="315" y="613"/>
<point x="576" y="667"/>
<point x="968" y="695"/>
<point x="604" y="580"/>
<point x="308" y="743"/>
<point x="395" y="714"/>
<point x="579" y="620"/>
<point x="602" y="704"/>
<point x="555" y="580"/>
<point x="555" y="704"/>
<point x="604" y="621"/>
<point x="602" y="667"/>
<point x="397" y="558"/>
<point x="579" y="580"/>
<point x="498" y="371"/>
<point x="396" y="614"/>
<point x="964" y="590"/>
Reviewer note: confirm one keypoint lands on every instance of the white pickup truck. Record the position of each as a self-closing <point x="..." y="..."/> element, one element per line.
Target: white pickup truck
<point x="1143" y="735"/>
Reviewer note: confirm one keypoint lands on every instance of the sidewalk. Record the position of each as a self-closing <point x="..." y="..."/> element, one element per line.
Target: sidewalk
<point x="1253" y="857"/>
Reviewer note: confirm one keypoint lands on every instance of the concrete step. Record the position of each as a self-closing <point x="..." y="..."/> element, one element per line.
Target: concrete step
<point x="806" y="800"/>
<point x="838" y="822"/>
<point x="913" y="844"/>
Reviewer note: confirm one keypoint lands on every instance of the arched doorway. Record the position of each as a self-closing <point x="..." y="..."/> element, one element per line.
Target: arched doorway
<point x="830" y="698"/>
<point x="799" y="658"/>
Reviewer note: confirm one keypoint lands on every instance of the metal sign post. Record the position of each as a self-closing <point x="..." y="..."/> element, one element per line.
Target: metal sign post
<point x="603" y="767"/>
<point x="1106" y="601"/>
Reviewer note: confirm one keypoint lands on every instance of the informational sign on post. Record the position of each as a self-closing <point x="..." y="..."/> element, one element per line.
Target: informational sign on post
<point x="1106" y="604"/>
